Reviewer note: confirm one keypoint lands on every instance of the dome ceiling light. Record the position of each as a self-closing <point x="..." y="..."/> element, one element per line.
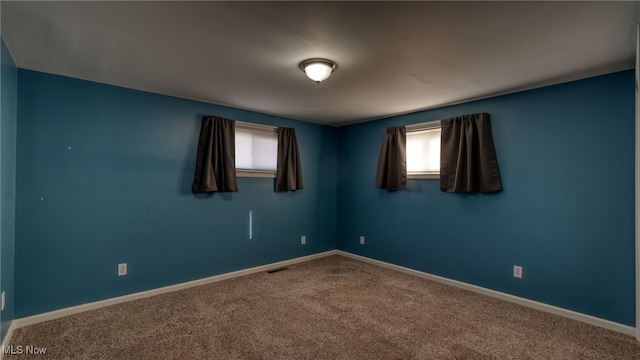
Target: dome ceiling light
<point x="318" y="69"/>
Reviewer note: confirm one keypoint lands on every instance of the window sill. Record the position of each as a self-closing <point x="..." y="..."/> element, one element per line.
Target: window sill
<point x="423" y="176"/>
<point x="255" y="174"/>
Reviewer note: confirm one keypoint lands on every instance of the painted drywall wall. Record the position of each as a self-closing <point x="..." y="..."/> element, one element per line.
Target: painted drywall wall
<point x="566" y="214"/>
<point x="104" y="177"/>
<point x="8" y="124"/>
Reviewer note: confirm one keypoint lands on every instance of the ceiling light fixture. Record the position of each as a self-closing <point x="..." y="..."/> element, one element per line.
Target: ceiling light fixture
<point x="318" y="69"/>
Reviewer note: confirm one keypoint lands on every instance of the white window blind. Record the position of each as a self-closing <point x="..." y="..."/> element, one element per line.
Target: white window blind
<point x="256" y="147"/>
<point x="423" y="149"/>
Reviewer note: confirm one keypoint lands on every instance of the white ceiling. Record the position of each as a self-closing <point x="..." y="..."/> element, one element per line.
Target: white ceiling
<point x="393" y="57"/>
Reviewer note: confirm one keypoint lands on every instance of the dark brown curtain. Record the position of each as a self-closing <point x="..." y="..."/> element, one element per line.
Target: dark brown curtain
<point x="468" y="158"/>
<point x="216" y="160"/>
<point x="289" y="171"/>
<point x="392" y="161"/>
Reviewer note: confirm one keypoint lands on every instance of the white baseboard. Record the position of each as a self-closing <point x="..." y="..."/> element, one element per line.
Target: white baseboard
<point x="17" y="323"/>
<point x="625" y="329"/>
<point x="7" y="337"/>
<point x="30" y="320"/>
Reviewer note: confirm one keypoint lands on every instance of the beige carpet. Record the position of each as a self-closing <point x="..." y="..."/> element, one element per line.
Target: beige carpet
<point x="330" y="308"/>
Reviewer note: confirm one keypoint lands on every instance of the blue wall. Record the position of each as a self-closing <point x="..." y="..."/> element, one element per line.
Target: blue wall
<point x="104" y="176"/>
<point x="566" y="156"/>
<point x="8" y="123"/>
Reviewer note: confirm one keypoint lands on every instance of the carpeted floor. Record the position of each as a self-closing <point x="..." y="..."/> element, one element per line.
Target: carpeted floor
<point x="330" y="308"/>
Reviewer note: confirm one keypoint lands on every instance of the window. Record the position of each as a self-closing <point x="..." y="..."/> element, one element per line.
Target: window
<point x="423" y="150"/>
<point x="256" y="150"/>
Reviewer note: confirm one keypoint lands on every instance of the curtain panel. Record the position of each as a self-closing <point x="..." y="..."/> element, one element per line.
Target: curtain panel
<point x="467" y="157"/>
<point x="289" y="170"/>
<point x="392" y="161"/>
<point x="215" y="161"/>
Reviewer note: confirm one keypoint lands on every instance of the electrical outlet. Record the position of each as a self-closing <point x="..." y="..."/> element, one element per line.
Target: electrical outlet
<point x="122" y="269"/>
<point x="361" y="240"/>
<point x="303" y="239"/>
<point x="517" y="271"/>
<point x="4" y="299"/>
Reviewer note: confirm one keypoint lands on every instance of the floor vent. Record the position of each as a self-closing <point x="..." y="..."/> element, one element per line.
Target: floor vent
<point x="277" y="270"/>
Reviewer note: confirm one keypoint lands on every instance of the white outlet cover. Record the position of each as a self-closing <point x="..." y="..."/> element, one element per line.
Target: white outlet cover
<point x="361" y="240"/>
<point x="517" y="271"/>
<point x="303" y="239"/>
<point x="122" y="269"/>
<point x="4" y="298"/>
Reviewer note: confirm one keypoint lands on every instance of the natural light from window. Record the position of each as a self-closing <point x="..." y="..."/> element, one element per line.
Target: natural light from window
<point x="423" y="152"/>
<point x="256" y="149"/>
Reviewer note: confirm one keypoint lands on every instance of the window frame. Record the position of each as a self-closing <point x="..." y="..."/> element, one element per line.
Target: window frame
<point x="253" y="173"/>
<point x="425" y="126"/>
